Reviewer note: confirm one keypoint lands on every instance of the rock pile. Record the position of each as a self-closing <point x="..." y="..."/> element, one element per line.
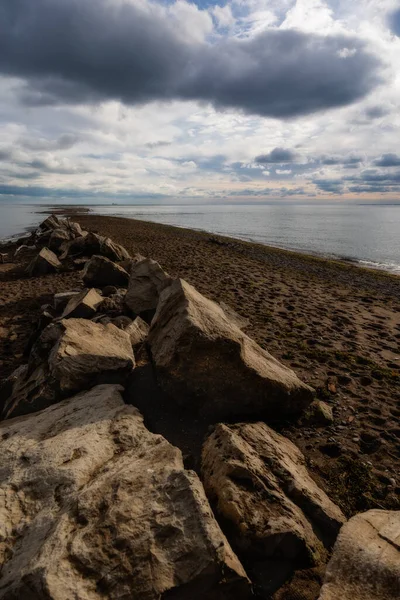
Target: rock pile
<point x="95" y="505"/>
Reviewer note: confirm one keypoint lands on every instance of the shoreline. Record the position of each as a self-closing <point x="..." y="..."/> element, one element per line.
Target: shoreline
<point x="71" y="211"/>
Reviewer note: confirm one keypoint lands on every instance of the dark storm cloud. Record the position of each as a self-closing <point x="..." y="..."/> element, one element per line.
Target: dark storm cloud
<point x="277" y="155"/>
<point x="394" y="22"/>
<point x="93" y="50"/>
<point x="388" y="160"/>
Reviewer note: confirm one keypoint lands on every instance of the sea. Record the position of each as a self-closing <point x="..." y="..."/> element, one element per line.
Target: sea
<point x="366" y="234"/>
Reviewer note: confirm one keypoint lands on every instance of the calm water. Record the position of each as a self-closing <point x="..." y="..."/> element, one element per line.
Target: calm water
<point x="368" y="234"/>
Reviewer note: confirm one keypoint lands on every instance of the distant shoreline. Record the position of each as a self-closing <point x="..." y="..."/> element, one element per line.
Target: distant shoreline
<point x="75" y="211"/>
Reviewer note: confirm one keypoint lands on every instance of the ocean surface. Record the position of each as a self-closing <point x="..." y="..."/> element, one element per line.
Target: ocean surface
<point x="367" y="234"/>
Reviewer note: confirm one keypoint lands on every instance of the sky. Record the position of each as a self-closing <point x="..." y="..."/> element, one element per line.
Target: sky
<point x="139" y="101"/>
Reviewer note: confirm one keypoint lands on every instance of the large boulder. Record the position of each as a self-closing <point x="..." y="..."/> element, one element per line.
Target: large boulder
<point x="70" y="356"/>
<point x="91" y="243"/>
<point x="365" y="564"/>
<point x="205" y="361"/>
<point x="100" y="271"/>
<point x="95" y="506"/>
<point x="51" y="223"/>
<point x="275" y="512"/>
<point x="83" y="305"/>
<point x="88" y="353"/>
<point x="45" y="262"/>
<point x="146" y="282"/>
<point x="112" y="250"/>
<point x="57" y="238"/>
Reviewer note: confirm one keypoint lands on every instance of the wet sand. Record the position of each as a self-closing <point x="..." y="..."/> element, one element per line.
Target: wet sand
<point x="336" y="325"/>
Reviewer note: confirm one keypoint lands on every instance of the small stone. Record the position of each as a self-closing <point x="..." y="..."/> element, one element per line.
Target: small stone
<point x="355" y="439"/>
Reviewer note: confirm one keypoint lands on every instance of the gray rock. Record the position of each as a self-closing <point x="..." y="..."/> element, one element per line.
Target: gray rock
<point x="70" y="355"/>
<point x="88" y="353"/>
<point x="100" y="271"/>
<point x="83" y="305"/>
<point x="58" y="238"/>
<point x="260" y="487"/>
<point x="365" y="564"/>
<point x="207" y="363"/>
<point x="45" y="262"/>
<point x="146" y="282"/>
<point x="138" y="331"/>
<point x="61" y="300"/>
<point x="95" y="506"/>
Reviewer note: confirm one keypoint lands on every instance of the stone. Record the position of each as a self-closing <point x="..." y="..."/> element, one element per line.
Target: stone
<point x="113" y="251"/>
<point x="88" y="353"/>
<point x="128" y="263"/>
<point x="70" y="355"/>
<point x="45" y="262"/>
<point x="366" y="559"/>
<point x="95" y="506"/>
<point x="58" y="238"/>
<point x="100" y="271"/>
<point x="258" y="482"/>
<point x="74" y="229"/>
<point x="51" y="223"/>
<point x="74" y="247"/>
<point x="146" y="282"/>
<point x="83" y="305"/>
<point x="61" y="300"/>
<point x="233" y="316"/>
<point x="204" y="361"/>
<point x="114" y="304"/>
<point x="109" y="290"/>
<point x="319" y="413"/>
<point x="138" y="331"/>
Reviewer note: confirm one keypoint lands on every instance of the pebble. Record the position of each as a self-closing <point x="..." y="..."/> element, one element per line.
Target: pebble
<point x="392" y="482"/>
<point x="355" y="439"/>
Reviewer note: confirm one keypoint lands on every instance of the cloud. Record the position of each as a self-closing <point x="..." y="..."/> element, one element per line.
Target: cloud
<point x="394" y="22"/>
<point x="277" y="155"/>
<point x="333" y="186"/>
<point x="95" y="50"/>
<point x="388" y="160"/>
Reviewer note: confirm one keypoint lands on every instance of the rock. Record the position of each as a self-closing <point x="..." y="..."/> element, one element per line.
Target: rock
<point x="100" y="271"/>
<point x="137" y="331"/>
<point x="51" y="223"/>
<point x="74" y="247"/>
<point x="58" y="238"/>
<point x="74" y="229"/>
<point x="31" y="391"/>
<point x="365" y="564"/>
<point x="112" y="250"/>
<point x="45" y="262"/>
<point x="83" y="305"/>
<point x="61" y="300"/>
<point x="114" y="304"/>
<point x="8" y="384"/>
<point x="128" y="263"/>
<point x="95" y="506"/>
<point x="70" y="355"/>
<point x="233" y="316"/>
<point x="146" y="282"/>
<point x="206" y="362"/>
<point x="109" y="290"/>
<point x="274" y="511"/>
<point x="319" y="413"/>
<point x="90" y="353"/>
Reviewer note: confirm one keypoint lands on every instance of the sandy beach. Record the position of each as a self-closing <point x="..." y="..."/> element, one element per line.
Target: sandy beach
<point x="336" y="325"/>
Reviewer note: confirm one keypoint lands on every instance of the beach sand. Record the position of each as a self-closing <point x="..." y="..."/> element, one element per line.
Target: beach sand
<point x="336" y="325"/>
